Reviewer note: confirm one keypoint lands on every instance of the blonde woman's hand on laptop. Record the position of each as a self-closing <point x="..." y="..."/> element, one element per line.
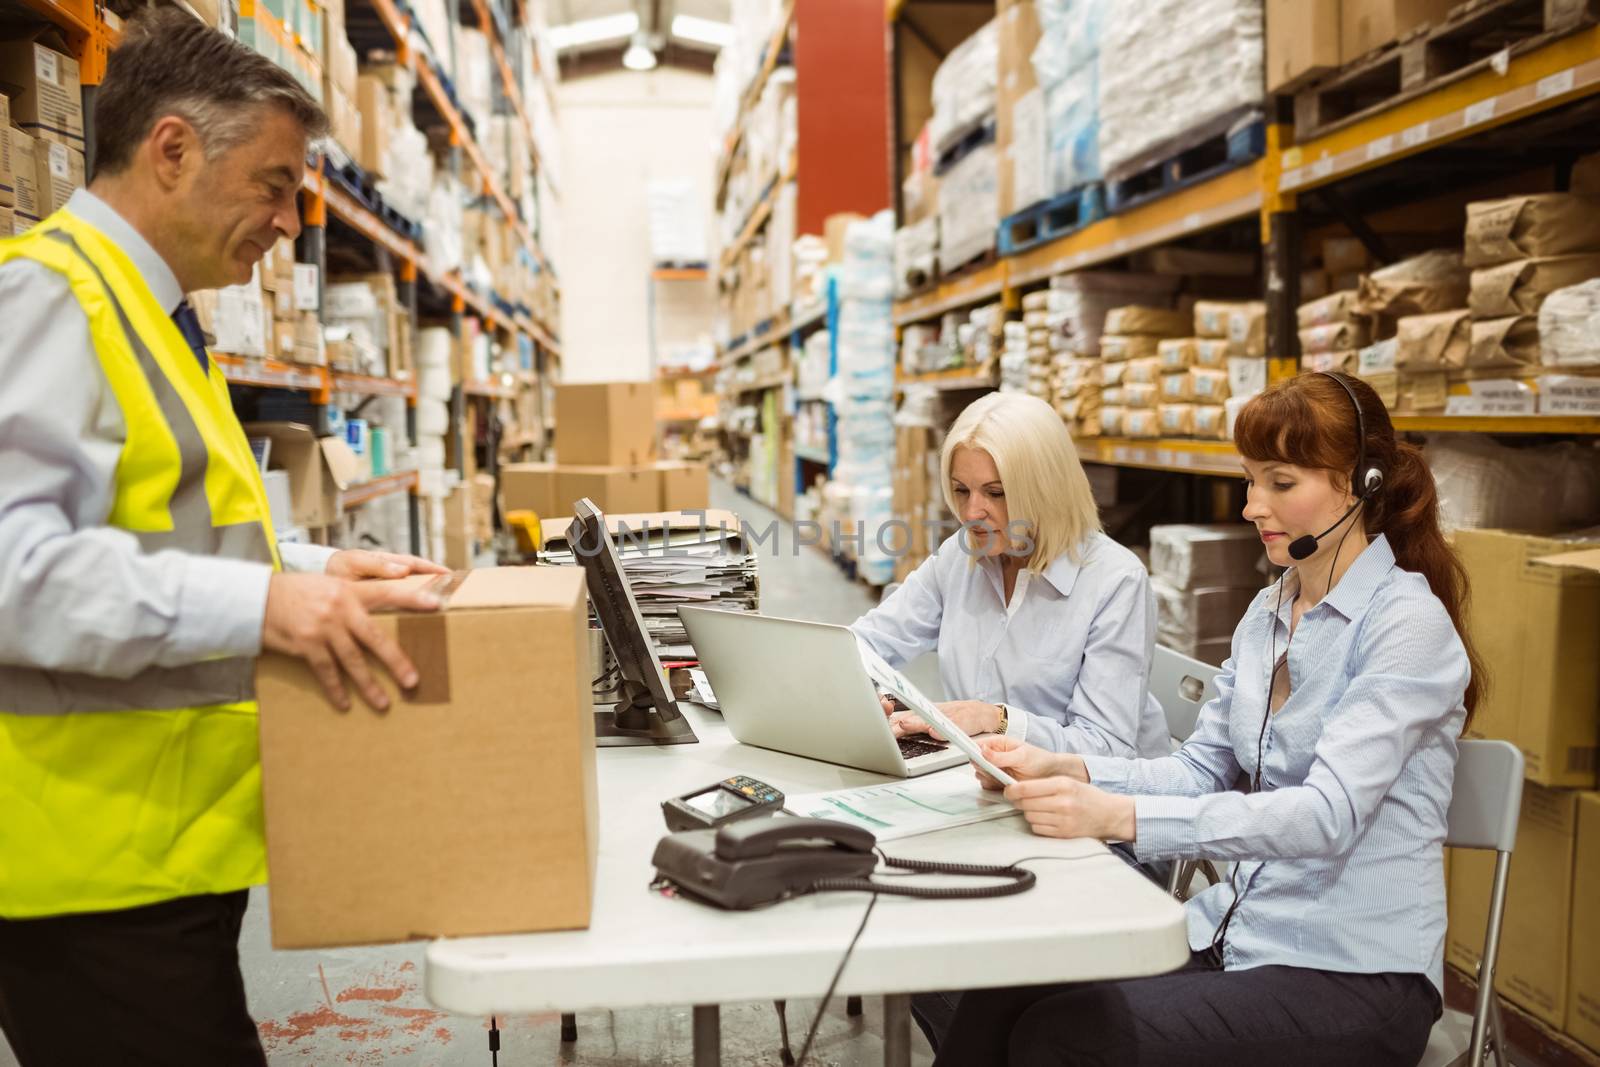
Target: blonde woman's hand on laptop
<point x="1025" y="762"/>
<point x="973" y="716"/>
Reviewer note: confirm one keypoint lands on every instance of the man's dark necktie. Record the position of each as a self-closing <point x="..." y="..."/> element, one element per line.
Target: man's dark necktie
<point x="188" y="324"/>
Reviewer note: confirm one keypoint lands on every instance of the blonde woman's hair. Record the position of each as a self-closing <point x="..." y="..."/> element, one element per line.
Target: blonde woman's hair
<point x="1044" y="483"/>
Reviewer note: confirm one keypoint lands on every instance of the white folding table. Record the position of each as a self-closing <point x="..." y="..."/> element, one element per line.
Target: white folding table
<point x="1090" y="916"/>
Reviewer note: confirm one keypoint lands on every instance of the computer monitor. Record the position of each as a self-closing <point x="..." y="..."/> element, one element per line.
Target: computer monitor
<point x="645" y="714"/>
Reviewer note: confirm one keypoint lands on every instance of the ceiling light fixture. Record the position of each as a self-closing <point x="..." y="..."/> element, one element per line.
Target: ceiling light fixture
<point x="593" y="31"/>
<point x="639" y="56"/>
<point x="702" y="31"/>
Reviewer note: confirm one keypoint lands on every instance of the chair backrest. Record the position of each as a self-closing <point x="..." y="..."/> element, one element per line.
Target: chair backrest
<point x="1487" y="796"/>
<point x="1181" y="685"/>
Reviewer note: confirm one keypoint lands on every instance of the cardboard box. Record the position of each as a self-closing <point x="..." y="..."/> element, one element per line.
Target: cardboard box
<point x="1156" y="322"/>
<point x="1534" y="938"/>
<point x="372" y="100"/>
<point x="1520" y="287"/>
<point x="1335" y="336"/>
<point x="1018" y="36"/>
<point x="1530" y="227"/>
<point x="606" y="423"/>
<point x="319" y="467"/>
<point x="1190" y="556"/>
<point x="8" y="222"/>
<point x="531" y="487"/>
<point x="27" y="201"/>
<point x="1368" y="24"/>
<point x="504" y="688"/>
<point x="684" y="486"/>
<point x="1537" y="626"/>
<point x="8" y="179"/>
<point x="1583" y="995"/>
<point x="622" y="490"/>
<point x="1302" y="42"/>
<point x="1207" y="614"/>
<point x="41" y="79"/>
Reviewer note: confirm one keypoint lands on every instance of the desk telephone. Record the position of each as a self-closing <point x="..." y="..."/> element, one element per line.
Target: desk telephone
<point x="753" y="862"/>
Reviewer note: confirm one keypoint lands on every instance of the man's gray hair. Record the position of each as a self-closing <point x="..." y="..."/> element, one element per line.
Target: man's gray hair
<point x="170" y="63"/>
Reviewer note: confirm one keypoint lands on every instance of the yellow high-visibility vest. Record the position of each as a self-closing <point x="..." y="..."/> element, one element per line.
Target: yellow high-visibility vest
<point x="116" y="793"/>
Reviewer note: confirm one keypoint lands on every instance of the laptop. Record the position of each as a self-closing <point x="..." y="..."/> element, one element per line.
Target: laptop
<point x="800" y="687"/>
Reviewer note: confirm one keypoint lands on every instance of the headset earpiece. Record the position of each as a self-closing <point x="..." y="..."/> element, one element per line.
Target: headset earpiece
<point x="1371" y="482"/>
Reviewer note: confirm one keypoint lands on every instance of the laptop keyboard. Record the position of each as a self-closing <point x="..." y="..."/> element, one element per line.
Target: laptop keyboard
<point x="912" y="747"/>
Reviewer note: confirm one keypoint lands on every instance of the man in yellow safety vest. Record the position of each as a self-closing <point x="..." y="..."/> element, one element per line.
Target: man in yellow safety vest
<point x="139" y="574"/>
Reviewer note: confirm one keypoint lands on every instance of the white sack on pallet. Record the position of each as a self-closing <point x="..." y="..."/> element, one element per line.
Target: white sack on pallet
<point x="1168" y="66"/>
<point x="964" y="86"/>
<point x="969" y="207"/>
<point x="1569" y="326"/>
<point x="1066" y="63"/>
<point x="1540" y="489"/>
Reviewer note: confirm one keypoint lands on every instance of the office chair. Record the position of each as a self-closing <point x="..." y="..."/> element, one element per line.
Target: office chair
<point x="1182" y="685"/>
<point x="1484" y="806"/>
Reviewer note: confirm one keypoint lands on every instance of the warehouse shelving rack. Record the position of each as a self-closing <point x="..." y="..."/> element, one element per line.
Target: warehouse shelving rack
<point x="91" y="31"/>
<point x="837" y="166"/>
<point x="1555" y="78"/>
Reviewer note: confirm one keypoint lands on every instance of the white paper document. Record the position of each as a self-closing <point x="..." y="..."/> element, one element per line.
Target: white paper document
<point x="904" y="809"/>
<point x="898" y="684"/>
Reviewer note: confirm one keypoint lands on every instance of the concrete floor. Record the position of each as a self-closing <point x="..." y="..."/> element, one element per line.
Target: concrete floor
<point x="365" y="1006"/>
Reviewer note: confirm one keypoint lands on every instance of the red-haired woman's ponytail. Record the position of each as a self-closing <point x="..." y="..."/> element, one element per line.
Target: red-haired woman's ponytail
<point x="1406" y="511"/>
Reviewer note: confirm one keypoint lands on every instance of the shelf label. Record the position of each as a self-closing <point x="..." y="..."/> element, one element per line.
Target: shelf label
<point x="1554" y="85"/>
<point x="1480" y="112"/>
<point x="44" y="65"/>
<point x="1414" y="135"/>
<point x="60" y="162"/>
<point x="1322" y="168"/>
<point x="1383" y="146"/>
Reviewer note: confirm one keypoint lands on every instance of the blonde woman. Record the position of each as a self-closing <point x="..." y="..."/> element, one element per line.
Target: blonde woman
<point x="1044" y="626"/>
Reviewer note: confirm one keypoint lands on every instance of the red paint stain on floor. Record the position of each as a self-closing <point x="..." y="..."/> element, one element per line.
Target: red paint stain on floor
<point x="417" y="1019"/>
<point x="443" y="1034"/>
<point x="306" y="1024"/>
<point x="373" y="993"/>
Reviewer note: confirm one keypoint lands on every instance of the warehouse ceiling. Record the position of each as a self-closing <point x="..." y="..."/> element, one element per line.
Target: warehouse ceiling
<point x="593" y="36"/>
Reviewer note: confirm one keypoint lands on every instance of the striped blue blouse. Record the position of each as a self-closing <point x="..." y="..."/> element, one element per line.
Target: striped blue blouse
<point x="1340" y="854"/>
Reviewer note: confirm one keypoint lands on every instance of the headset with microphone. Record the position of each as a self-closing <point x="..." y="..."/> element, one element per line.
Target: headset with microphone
<point x="1364" y="481"/>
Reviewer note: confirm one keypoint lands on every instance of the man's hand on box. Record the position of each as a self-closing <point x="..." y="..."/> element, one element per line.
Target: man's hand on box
<point x="357" y="564"/>
<point x="324" y="620"/>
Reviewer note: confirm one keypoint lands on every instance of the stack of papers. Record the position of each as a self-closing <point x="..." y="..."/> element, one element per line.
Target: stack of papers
<point x="905" y="809"/>
<point x="669" y="560"/>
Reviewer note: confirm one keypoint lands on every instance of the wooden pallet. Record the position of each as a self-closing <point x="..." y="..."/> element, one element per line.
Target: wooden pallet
<point x="1049" y="219"/>
<point x="949" y="272"/>
<point x="977" y="134"/>
<point x="1223" y="144"/>
<point x="1466" y="41"/>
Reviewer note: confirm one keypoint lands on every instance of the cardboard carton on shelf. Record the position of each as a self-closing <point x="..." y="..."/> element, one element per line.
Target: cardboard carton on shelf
<point x="319" y="469"/>
<point x="1302" y="42"/>
<point x="1365" y="25"/>
<point x="8" y="180"/>
<point x="1535" y="617"/>
<point x="619" y="489"/>
<point x="684" y="486"/>
<point x="40" y="77"/>
<point x="606" y="424"/>
<point x="352" y="798"/>
<point x="531" y="487"/>
<point x="27" y="199"/>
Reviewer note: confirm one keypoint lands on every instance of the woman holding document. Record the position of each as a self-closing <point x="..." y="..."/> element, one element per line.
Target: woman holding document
<point x="1044" y="626"/>
<point x="1349" y="682"/>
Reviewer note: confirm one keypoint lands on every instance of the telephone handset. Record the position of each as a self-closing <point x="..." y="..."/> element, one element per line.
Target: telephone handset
<point x="764" y="837"/>
<point x="761" y="861"/>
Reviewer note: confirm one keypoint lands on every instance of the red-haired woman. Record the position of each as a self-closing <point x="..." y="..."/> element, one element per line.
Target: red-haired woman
<point x="1348" y="684"/>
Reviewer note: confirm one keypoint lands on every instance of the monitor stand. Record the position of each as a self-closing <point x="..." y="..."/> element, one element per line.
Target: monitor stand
<point x="630" y="723"/>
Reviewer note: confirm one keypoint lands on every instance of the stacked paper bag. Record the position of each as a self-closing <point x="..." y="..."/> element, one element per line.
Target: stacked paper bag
<point x="1204" y="578"/>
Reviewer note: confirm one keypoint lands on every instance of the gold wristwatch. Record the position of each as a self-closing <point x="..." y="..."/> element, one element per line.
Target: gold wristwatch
<point x="1005" y="718"/>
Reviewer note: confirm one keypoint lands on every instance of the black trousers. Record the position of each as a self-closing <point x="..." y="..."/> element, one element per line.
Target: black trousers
<point x="157" y="985"/>
<point x="1196" y="1017"/>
